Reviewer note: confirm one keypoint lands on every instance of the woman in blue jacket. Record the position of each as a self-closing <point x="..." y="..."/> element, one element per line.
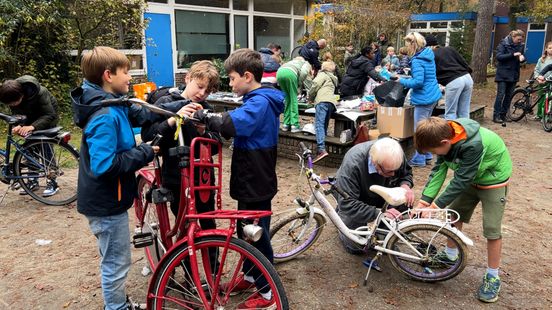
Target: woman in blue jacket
<point x="425" y="90"/>
<point x="509" y="56"/>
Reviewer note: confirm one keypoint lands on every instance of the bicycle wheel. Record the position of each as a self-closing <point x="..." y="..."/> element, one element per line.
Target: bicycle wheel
<point x="155" y="251"/>
<point x="48" y="171"/>
<point x="284" y="235"/>
<point x="519" y="105"/>
<point x="172" y="287"/>
<point x="431" y="241"/>
<point x="547" y="117"/>
<point x="295" y="52"/>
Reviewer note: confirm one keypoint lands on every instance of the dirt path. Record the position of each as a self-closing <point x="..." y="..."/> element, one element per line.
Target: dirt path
<point x="64" y="274"/>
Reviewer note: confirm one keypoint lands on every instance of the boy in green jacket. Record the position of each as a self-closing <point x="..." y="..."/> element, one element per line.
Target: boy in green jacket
<point x="482" y="168"/>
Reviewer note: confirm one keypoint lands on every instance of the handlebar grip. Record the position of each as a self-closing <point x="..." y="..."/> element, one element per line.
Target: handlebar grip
<point x="340" y="191"/>
<point x="156" y="140"/>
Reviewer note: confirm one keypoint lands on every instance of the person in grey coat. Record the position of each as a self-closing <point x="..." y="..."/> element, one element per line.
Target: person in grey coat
<point x="381" y="162"/>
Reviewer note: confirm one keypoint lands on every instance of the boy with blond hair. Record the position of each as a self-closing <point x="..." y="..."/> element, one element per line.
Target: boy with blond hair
<point x="253" y="182"/>
<point x="109" y="159"/>
<point x="482" y="169"/>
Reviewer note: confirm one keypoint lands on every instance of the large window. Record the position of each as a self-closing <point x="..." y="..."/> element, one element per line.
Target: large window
<point x="240" y="5"/>
<point x="298" y="31"/>
<point x="201" y="35"/>
<point x="299" y="7"/>
<point x="240" y="31"/>
<point x="215" y="3"/>
<point x="271" y="29"/>
<point x="273" y="6"/>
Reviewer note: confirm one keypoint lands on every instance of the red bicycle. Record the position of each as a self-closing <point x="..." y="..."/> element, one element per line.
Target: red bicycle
<point x="195" y="268"/>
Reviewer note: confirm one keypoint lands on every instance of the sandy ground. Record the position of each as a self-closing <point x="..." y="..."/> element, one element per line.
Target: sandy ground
<point x="64" y="274"/>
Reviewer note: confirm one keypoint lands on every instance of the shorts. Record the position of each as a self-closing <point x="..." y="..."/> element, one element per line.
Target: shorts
<point x="493" y="202"/>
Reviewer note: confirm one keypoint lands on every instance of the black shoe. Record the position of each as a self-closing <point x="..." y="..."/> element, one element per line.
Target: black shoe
<point x="497" y="120"/>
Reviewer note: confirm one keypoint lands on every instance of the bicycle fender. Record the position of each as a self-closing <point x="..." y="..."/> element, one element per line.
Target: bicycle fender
<point x="146" y="173"/>
<point x="433" y="222"/>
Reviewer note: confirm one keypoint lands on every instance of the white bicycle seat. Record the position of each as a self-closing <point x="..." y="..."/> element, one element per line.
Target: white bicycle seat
<point x="395" y="196"/>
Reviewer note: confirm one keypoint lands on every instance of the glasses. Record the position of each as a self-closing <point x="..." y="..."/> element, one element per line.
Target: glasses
<point x="383" y="171"/>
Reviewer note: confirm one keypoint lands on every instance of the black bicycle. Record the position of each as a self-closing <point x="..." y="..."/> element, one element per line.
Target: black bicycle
<point x="524" y="100"/>
<point x="44" y="164"/>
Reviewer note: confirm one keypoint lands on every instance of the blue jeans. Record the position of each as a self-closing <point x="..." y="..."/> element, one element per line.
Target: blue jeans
<point x="323" y="114"/>
<point x="113" y="237"/>
<point x="504" y="91"/>
<point x="458" y="96"/>
<point x="422" y="112"/>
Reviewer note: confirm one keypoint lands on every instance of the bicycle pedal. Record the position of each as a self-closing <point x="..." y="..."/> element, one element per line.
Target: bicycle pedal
<point x="142" y="240"/>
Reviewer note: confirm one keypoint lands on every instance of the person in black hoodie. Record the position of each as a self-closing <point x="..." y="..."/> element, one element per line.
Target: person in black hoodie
<point x="358" y="73"/>
<point x="311" y="51"/>
<point x="453" y="72"/>
<point x="509" y="56"/>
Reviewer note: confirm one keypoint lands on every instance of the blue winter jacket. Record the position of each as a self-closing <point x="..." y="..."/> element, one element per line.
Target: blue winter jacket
<point x="109" y="156"/>
<point x="254" y="126"/>
<point x="425" y="89"/>
<point x="270" y="64"/>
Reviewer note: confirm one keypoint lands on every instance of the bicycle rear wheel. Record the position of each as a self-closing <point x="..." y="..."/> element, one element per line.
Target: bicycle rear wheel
<point x="547" y="116"/>
<point x="48" y="171"/>
<point x="284" y="235"/>
<point x="519" y="105"/>
<point x="431" y="241"/>
<point x="172" y="286"/>
<point x="150" y="218"/>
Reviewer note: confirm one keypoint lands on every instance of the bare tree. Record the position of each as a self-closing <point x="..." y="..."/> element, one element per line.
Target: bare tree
<point x="481" y="45"/>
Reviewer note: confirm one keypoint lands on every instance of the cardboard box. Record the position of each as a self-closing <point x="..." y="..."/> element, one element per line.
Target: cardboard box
<point x="398" y="122"/>
<point x="373" y="134"/>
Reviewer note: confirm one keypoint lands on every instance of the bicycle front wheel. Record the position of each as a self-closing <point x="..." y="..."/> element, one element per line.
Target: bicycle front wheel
<point x="173" y="288"/>
<point x="547" y="116"/>
<point x="147" y="212"/>
<point x="48" y="171"/>
<point x="285" y="237"/>
<point x="430" y="241"/>
<point x="519" y="105"/>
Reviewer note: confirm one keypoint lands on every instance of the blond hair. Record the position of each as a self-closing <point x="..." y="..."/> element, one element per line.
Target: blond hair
<point x="99" y="59"/>
<point x="328" y="66"/>
<point x="517" y="33"/>
<point x="205" y="70"/>
<point x="415" y="42"/>
<point x="391" y="48"/>
<point x="544" y="55"/>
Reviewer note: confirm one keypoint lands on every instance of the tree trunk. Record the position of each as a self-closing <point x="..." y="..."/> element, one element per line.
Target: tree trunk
<point x="481" y="44"/>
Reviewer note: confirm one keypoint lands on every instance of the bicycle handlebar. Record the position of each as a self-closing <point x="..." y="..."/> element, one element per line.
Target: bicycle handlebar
<point x="129" y="101"/>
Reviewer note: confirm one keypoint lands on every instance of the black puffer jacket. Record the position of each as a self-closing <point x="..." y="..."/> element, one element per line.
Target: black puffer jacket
<point x="310" y="52"/>
<point x="507" y="67"/>
<point x="357" y="75"/>
<point x="38" y="104"/>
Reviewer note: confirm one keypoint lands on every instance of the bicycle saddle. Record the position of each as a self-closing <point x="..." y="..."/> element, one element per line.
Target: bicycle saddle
<point x="13" y="119"/>
<point x="51" y="132"/>
<point x="395" y="196"/>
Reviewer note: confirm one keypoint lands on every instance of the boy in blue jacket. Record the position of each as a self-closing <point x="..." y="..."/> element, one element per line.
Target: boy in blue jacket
<point x="253" y="181"/>
<point x="109" y="159"/>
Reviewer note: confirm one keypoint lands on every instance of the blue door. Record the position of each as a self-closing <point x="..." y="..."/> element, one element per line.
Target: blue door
<point x="159" y="49"/>
<point x="534" y="46"/>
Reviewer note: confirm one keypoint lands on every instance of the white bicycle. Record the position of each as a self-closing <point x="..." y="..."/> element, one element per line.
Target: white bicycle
<point x="415" y="246"/>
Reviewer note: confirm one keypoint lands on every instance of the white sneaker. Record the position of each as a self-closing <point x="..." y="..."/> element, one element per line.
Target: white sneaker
<point x="295" y="129"/>
<point x="285" y="127"/>
<point x="31" y="185"/>
<point x="51" y="189"/>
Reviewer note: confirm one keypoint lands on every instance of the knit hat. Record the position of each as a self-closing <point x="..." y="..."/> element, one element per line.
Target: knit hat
<point x="431" y="40"/>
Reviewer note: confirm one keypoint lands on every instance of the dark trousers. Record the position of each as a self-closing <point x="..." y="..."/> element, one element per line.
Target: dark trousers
<point x="504" y="91"/>
<point x="262" y="245"/>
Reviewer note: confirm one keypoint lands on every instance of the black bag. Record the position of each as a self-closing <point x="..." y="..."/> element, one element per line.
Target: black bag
<point x="390" y="94"/>
<point x="157" y="93"/>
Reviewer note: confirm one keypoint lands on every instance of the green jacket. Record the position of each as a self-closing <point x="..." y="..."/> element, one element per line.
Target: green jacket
<point x="302" y="68"/>
<point x="38" y="104"/>
<point x="323" y="88"/>
<point x="481" y="159"/>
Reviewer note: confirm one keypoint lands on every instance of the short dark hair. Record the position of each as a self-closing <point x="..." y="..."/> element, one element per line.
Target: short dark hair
<point x="272" y="46"/>
<point x="366" y="50"/>
<point x="11" y="91"/>
<point x="244" y="60"/>
<point x="430" y="132"/>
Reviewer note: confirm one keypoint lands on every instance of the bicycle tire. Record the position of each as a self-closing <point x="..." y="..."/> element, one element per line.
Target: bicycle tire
<point x="426" y="272"/>
<point x="60" y="168"/>
<point x="295" y="51"/>
<point x="172" y="287"/>
<point x="519" y="106"/>
<point x="547" y="117"/>
<point x="284" y="246"/>
<point x="155" y="251"/>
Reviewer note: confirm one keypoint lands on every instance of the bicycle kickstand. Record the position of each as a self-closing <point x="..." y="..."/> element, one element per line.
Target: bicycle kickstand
<point x="373" y="264"/>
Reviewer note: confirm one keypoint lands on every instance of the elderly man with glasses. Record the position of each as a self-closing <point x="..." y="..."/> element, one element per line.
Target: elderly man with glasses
<point x="381" y="162"/>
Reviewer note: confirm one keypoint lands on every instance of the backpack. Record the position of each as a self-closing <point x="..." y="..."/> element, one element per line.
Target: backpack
<point x="157" y="93"/>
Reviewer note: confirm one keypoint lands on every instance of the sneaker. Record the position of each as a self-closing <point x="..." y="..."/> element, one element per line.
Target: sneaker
<point x="31" y="185"/>
<point x="497" y="120"/>
<point x="285" y="127"/>
<point x="131" y="305"/>
<point x="442" y="260"/>
<point x="295" y="129"/>
<point x="416" y="163"/>
<point x="51" y="189"/>
<point x="428" y="158"/>
<point x="488" y="291"/>
<point x="241" y="285"/>
<point x="256" y="301"/>
<point x="320" y="156"/>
